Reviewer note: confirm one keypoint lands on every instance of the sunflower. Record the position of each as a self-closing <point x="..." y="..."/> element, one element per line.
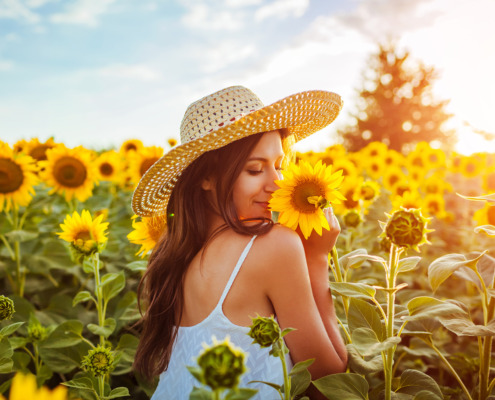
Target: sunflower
<point x="20" y="146"/>
<point x="369" y="191"/>
<point x="471" y="166"/>
<point x="434" y="204"/>
<point x="331" y="155"/>
<point x="489" y="181"/>
<point x="410" y="199"/>
<point x="147" y="232"/>
<point x="374" y="149"/>
<point x="401" y="187"/>
<point x="391" y="176"/>
<point x="141" y="161"/>
<point x="110" y="167"/>
<point x="87" y="235"/>
<point x="303" y="193"/>
<point x="436" y="184"/>
<point x="348" y="168"/>
<point x="394" y="159"/>
<point x="172" y="142"/>
<point x="24" y="387"/>
<point x="131" y="145"/>
<point x="434" y="158"/>
<point x="38" y="150"/>
<point x="454" y="162"/>
<point x="375" y="167"/>
<point x="415" y="160"/>
<point x="485" y="215"/>
<point x="70" y="172"/>
<point x="416" y="175"/>
<point x="17" y="178"/>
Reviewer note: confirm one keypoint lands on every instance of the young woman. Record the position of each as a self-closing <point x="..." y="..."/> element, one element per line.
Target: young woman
<point x="222" y="259"/>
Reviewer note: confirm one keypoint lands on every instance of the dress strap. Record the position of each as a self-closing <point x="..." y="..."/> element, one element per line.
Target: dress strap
<point x="235" y="271"/>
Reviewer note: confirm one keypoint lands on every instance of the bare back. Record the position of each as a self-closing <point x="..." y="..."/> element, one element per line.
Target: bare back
<point x="205" y="281"/>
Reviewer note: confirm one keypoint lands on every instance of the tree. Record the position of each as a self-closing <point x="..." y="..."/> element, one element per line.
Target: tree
<point x="396" y="105"/>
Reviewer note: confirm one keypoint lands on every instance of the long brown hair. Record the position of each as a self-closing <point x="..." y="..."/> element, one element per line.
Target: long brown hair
<point x="161" y="288"/>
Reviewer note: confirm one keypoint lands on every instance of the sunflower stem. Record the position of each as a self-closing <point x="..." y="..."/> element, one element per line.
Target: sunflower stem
<point x="286" y="374"/>
<point x="101" y="386"/>
<point x="393" y="264"/>
<point x="99" y="294"/>
<point x="7" y="245"/>
<point x="17" y="252"/>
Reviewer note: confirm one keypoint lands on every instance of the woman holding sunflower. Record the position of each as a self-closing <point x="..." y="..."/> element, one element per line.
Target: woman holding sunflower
<point x="222" y="259"/>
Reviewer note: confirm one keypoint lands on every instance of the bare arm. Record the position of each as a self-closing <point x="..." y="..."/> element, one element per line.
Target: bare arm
<point x="316" y="249"/>
<point x="301" y="299"/>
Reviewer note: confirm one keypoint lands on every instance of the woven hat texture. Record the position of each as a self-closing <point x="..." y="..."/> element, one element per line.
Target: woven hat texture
<point x="221" y="118"/>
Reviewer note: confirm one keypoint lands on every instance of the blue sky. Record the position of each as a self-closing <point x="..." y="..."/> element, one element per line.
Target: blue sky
<point x="98" y="72"/>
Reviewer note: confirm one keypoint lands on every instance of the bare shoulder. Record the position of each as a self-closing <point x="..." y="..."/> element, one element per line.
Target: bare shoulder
<point x="281" y="249"/>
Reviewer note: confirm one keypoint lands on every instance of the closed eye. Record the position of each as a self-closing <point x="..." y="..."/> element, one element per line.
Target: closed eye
<point x="251" y="172"/>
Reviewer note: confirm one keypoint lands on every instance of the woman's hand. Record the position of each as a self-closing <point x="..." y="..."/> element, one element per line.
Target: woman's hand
<point x="319" y="246"/>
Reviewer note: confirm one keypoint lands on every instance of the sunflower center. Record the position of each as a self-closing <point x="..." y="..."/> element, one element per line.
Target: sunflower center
<point x="106" y="169"/>
<point x="11" y="176"/>
<point x="393" y="179"/>
<point x="146" y="164"/>
<point x="130" y="146"/>
<point x="367" y="192"/>
<point x="433" y="207"/>
<point x="470" y="168"/>
<point x="83" y="235"/>
<point x="39" y="152"/>
<point x="418" y="162"/>
<point x="70" y="172"/>
<point x="301" y="193"/>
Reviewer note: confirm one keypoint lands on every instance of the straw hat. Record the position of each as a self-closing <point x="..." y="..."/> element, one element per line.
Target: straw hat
<point x="221" y="118"/>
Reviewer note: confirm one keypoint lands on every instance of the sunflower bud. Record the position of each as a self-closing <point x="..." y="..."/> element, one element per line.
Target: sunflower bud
<point x="85" y="247"/>
<point x="36" y="331"/>
<point x="221" y="365"/>
<point x="99" y="361"/>
<point x="318" y="202"/>
<point x="265" y="331"/>
<point x="407" y="228"/>
<point x="352" y="218"/>
<point x="6" y="308"/>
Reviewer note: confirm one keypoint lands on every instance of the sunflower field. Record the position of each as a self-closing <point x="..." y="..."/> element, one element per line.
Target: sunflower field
<point x="412" y="274"/>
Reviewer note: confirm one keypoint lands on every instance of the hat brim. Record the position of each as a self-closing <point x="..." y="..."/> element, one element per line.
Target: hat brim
<point x="302" y="114"/>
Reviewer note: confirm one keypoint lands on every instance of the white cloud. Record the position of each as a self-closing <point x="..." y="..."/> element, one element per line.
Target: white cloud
<point x="282" y="9"/>
<point x="38" y="3"/>
<point x="15" y="9"/>
<point x="6" y="65"/>
<point x="241" y="3"/>
<point x="212" y="17"/>
<point x="11" y="37"/>
<point x="380" y="19"/>
<point x="224" y="54"/>
<point x="82" y="12"/>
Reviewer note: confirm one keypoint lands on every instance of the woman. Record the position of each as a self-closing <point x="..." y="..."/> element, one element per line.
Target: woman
<point x="222" y="260"/>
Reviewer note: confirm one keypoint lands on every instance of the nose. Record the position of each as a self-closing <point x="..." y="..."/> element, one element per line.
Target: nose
<point x="270" y="185"/>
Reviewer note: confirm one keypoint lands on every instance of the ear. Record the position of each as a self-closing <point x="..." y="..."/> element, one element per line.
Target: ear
<point x="207" y="184"/>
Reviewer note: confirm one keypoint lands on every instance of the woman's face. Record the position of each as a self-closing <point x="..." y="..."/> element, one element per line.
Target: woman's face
<point x="255" y="184"/>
